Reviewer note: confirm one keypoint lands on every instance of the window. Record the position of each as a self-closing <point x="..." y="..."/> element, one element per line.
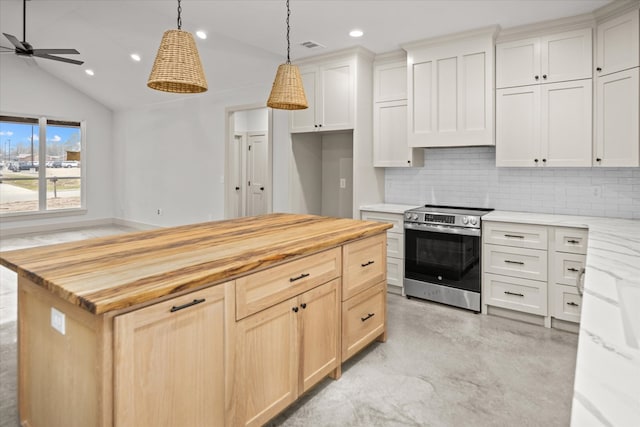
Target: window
<point x="36" y="176"/>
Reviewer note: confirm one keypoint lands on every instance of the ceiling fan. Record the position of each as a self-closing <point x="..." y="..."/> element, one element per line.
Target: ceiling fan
<point x="23" y="48"/>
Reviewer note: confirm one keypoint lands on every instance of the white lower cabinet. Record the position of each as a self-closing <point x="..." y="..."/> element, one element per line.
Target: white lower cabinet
<point x="395" y="247"/>
<point x="533" y="269"/>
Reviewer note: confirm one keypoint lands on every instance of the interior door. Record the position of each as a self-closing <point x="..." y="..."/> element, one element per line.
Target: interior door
<point x="257" y="179"/>
<point x="238" y="171"/>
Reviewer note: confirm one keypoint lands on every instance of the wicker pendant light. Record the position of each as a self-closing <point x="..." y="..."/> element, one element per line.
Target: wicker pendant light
<point x="177" y="67"/>
<point x="287" y="92"/>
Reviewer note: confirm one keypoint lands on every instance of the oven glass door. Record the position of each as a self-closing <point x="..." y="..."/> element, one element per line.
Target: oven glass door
<point x="443" y="258"/>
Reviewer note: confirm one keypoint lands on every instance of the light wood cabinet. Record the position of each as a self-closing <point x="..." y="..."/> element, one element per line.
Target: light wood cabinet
<point x="390" y="146"/>
<point x="169" y="362"/>
<point x="544" y="125"/>
<point x="617" y="117"/>
<point x="329" y="88"/>
<point x="284" y="350"/>
<point x="364" y="319"/>
<point x="450" y="90"/>
<point x="618" y="44"/>
<point x="552" y="58"/>
<point x="364" y="265"/>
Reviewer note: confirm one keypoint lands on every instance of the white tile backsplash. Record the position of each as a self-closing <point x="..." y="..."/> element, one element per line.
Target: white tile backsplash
<point x="468" y="177"/>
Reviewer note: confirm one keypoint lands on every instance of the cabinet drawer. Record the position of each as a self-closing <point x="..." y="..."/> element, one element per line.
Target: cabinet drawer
<point x="516" y="262"/>
<point x="566" y="303"/>
<point x="395" y="245"/>
<point x="514" y="293"/>
<point x="397" y="220"/>
<point x="566" y="267"/>
<point x="363" y="319"/>
<point x="395" y="272"/>
<point x="572" y="240"/>
<point x="517" y="235"/>
<point x="266" y="288"/>
<point x="364" y="264"/>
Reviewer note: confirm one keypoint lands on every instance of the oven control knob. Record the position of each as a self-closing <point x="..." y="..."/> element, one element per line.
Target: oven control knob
<point x="465" y="220"/>
<point x="473" y="220"/>
<point x="414" y="216"/>
<point x="407" y="215"/>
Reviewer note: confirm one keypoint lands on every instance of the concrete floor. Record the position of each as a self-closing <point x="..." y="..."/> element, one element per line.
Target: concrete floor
<point x="440" y="366"/>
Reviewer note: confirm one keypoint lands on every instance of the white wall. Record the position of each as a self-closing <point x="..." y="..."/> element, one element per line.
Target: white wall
<point x="27" y="89"/>
<point x="468" y="177"/>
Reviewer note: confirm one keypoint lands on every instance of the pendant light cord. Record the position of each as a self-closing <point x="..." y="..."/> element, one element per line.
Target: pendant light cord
<point x="288" y="28"/>
<point x="179" y="17"/>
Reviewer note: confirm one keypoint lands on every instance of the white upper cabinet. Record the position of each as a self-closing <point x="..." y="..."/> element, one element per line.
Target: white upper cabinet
<point x="329" y="88"/>
<point x="548" y="59"/>
<point x="544" y="125"/>
<point x="617" y="116"/>
<point x="390" y="81"/>
<point x="618" y="44"/>
<point x="450" y="90"/>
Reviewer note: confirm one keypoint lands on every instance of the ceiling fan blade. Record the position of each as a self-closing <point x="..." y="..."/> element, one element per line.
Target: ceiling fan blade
<point x="17" y="43"/>
<point x="59" y="58"/>
<point x="56" y="51"/>
<point x="6" y="49"/>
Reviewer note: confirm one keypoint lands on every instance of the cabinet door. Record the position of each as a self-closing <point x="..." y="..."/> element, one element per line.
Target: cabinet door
<point x="518" y="126"/>
<point x="335" y="103"/>
<point x="169" y="361"/>
<point x="617" y="112"/>
<point x="305" y="120"/>
<point x="518" y="63"/>
<point x="617" y="44"/>
<point x="390" y="82"/>
<point x="566" y="130"/>
<point x="267" y="363"/>
<point x="566" y="56"/>
<point x="319" y="314"/>
<point x="390" y="147"/>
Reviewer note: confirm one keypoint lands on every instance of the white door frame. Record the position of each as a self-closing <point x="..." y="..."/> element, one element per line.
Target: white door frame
<point x="229" y="135"/>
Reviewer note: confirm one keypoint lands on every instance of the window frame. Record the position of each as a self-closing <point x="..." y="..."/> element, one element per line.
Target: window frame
<point x="42" y="211"/>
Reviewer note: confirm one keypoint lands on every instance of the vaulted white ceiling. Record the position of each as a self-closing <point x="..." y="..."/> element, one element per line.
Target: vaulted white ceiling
<point x="243" y="35"/>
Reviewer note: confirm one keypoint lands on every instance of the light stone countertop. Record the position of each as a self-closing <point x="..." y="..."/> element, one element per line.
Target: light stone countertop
<point x="388" y="208"/>
<point x="607" y="378"/>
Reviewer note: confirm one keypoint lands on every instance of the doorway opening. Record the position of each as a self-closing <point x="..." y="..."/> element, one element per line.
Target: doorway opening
<point x="248" y="172"/>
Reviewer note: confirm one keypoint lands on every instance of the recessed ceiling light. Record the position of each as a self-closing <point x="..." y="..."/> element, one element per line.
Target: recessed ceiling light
<point x="89" y="72"/>
<point x="135" y="57"/>
<point x="356" y="33"/>
<point x="201" y="34"/>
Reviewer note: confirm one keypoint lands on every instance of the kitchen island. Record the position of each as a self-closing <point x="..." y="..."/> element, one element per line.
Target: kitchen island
<point x="220" y="323"/>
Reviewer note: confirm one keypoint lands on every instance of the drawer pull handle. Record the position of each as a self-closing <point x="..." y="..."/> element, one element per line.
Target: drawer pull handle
<point x="513" y="293"/>
<point x="573" y="304"/>
<point x="515" y="236"/>
<point x="295" y="309"/>
<point x="508" y="261"/>
<point x="303" y="305"/>
<point x="367" y="317"/>
<point x="580" y="281"/>
<point x="573" y="241"/>
<point x="302" y="276"/>
<point x="189" y="304"/>
<point x="368" y="263"/>
<point x="573" y="269"/>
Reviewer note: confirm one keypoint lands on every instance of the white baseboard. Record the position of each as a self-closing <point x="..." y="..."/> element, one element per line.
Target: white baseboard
<point x="51" y="228"/>
<point x="142" y="226"/>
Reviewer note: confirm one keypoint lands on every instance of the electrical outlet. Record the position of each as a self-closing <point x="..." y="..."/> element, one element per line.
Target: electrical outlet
<point x="596" y="191"/>
<point x="159" y="211"/>
<point x="343" y="183"/>
<point x="58" y="321"/>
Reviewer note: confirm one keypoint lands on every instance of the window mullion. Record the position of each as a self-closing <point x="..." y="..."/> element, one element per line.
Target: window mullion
<point x="42" y="166"/>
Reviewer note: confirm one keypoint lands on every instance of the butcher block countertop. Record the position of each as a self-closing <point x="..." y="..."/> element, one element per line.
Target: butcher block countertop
<point x="116" y="272"/>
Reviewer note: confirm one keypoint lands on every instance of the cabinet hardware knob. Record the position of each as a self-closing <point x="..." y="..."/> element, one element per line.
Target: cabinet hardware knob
<point x="367" y="317"/>
<point x="261" y="188"/>
<point x="303" y="305"/>
<point x="514" y="236"/>
<point x="574" y="241"/>
<point x="536" y="77"/>
<point x="513" y="293"/>
<point x="508" y="261"/>
<point x="366" y="264"/>
<point x="571" y="303"/>
<point x="544" y="76"/>
<point x="580" y="281"/>
<point x="572" y="269"/>
<point x="319" y="126"/>
<point x="237" y="188"/>
<point x="409" y="161"/>
<point x="315" y="126"/>
<point x="598" y="159"/>
<point x="535" y="160"/>
<point x="544" y="160"/>
<point x="599" y="69"/>
<point x="302" y="276"/>
<point x="295" y="309"/>
<point x="189" y="304"/>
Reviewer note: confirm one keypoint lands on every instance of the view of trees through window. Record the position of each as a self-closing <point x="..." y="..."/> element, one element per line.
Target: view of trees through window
<point x="39" y="177"/>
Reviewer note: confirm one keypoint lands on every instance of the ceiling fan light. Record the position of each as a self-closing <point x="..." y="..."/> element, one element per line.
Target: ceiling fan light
<point x="177" y="67"/>
<point x="287" y="92"/>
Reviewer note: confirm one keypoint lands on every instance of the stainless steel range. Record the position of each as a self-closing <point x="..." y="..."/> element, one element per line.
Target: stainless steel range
<point x="443" y="255"/>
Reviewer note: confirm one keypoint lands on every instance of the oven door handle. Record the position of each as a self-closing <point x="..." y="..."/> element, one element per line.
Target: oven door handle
<point x="442" y="229"/>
